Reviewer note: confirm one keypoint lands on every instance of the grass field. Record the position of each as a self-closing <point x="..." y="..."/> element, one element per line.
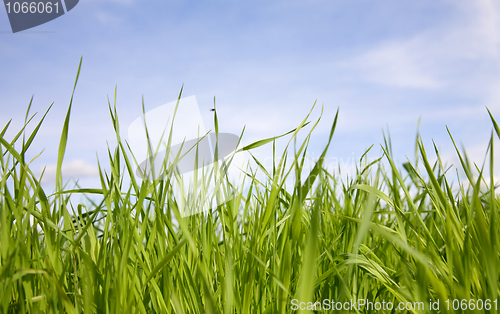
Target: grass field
<point x="402" y="233"/>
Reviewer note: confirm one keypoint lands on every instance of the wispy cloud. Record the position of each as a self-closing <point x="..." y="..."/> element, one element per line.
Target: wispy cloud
<point x="445" y="56"/>
<point x="73" y="169"/>
<point x="397" y="64"/>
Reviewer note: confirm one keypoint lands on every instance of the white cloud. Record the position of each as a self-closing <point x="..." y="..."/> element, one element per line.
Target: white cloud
<point x="458" y="54"/>
<point x="74" y="169"/>
<point x="396" y="64"/>
<point x="107" y="18"/>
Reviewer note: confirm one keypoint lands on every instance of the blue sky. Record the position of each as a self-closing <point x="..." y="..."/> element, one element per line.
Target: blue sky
<point x="385" y="64"/>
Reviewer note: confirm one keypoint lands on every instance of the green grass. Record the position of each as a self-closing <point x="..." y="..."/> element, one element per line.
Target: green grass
<point x="402" y="234"/>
